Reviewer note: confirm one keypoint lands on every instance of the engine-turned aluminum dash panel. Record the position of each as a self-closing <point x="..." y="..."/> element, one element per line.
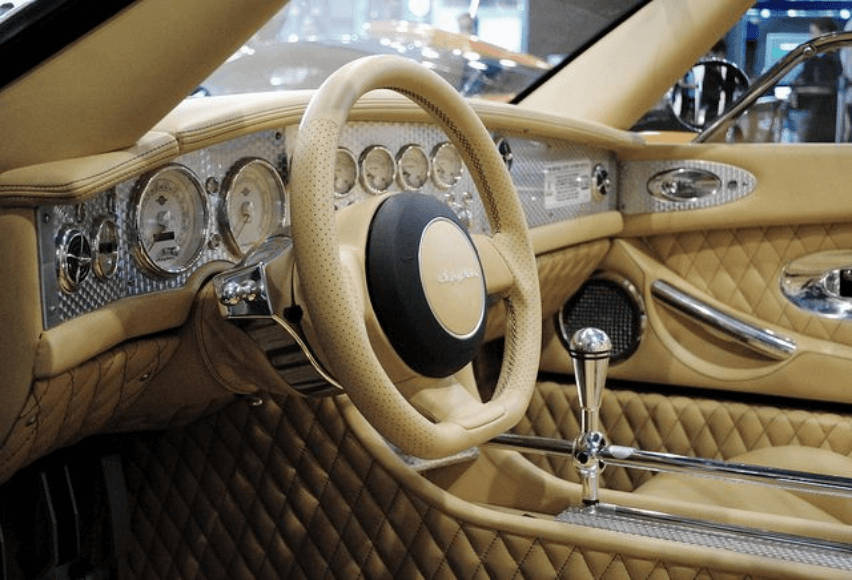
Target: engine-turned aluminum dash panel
<point x="556" y="181"/>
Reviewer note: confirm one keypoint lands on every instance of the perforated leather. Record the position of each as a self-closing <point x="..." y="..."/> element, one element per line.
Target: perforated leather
<point x="692" y="426"/>
<point x="742" y="267"/>
<point x="333" y="307"/>
<point x="83" y="401"/>
<point x="286" y="490"/>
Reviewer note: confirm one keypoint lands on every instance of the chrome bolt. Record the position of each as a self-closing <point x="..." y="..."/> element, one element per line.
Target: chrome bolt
<point x="212" y="185"/>
<point x="249" y="290"/>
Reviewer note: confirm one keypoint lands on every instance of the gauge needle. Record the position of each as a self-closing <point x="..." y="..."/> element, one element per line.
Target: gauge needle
<point x="243" y="223"/>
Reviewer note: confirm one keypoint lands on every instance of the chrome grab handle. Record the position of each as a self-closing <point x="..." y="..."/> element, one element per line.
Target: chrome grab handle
<point x="806" y="50"/>
<point x="590" y="349"/>
<point x="760" y="340"/>
<point x="820" y="283"/>
<point x="622" y="456"/>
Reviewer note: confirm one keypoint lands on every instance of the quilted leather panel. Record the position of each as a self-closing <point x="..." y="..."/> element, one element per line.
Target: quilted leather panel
<point x="286" y="490"/>
<point x="82" y="401"/>
<point x="560" y="274"/>
<point x="741" y="268"/>
<point x="685" y="425"/>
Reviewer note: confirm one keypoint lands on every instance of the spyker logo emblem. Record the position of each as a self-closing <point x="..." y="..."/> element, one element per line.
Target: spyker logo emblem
<point x="458" y="277"/>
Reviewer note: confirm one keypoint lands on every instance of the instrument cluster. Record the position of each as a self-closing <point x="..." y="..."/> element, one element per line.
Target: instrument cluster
<point x="377" y="168"/>
<point x="150" y="233"/>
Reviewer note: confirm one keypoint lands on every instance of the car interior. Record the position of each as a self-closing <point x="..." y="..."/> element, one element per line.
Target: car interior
<point x="378" y="328"/>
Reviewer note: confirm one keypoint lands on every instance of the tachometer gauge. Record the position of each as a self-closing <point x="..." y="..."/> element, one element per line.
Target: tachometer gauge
<point x="253" y="203"/>
<point x="345" y="171"/>
<point x="378" y="169"/>
<point x="170" y="219"/>
<point x="413" y="167"/>
<point x="446" y="165"/>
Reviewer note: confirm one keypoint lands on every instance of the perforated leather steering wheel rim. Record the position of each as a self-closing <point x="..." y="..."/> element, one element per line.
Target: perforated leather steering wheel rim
<point x="335" y="313"/>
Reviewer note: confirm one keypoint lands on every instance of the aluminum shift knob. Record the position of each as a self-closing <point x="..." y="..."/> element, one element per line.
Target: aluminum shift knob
<point x="590" y="349"/>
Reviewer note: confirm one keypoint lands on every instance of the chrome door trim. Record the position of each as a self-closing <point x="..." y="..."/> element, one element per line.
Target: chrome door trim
<point x="813" y="283"/>
<point x="760" y="340"/>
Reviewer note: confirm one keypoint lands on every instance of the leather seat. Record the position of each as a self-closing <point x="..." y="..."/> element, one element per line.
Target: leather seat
<point x="761" y="498"/>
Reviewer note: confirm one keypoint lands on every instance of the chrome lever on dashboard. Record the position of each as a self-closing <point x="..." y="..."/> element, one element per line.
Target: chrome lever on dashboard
<point x="270" y="318"/>
<point x="590" y="349"/>
<point x="820" y="283"/>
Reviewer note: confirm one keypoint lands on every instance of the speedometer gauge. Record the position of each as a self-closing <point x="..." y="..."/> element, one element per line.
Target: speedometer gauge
<point x="413" y="167"/>
<point x="170" y="220"/>
<point x="378" y="169"/>
<point x="446" y="165"/>
<point x="345" y="171"/>
<point x="253" y="204"/>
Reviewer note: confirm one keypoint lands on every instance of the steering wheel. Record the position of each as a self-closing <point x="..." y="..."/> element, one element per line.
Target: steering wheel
<point x="403" y="264"/>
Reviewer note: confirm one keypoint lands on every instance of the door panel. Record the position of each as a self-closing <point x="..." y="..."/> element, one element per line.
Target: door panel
<point x="795" y="210"/>
<point x="741" y="268"/>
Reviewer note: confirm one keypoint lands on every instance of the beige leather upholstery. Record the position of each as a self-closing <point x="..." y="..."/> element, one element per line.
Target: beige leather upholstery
<point x="198" y="123"/>
<point x="682" y="424"/>
<point x="625" y="73"/>
<point x="560" y="273"/>
<point x="742" y="267"/>
<point x="761" y="498"/>
<point x="287" y="489"/>
<point x="111" y="85"/>
<point x="337" y="313"/>
<point x="83" y="401"/>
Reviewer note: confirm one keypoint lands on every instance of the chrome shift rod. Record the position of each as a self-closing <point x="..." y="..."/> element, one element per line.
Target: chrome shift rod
<point x="590" y="349"/>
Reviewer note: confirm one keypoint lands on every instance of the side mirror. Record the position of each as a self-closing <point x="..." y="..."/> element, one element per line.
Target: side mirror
<point x="706" y="91"/>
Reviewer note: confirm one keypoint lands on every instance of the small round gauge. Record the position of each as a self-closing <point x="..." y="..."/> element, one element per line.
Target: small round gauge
<point x="345" y="171"/>
<point x="378" y="169"/>
<point x="446" y="165"/>
<point x="105" y="248"/>
<point x="253" y="203"/>
<point x="171" y="220"/>
<point x="413" y="167"/>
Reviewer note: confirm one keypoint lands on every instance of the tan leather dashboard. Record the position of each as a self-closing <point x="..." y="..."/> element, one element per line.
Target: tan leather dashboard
<point x="210" y="136"/>
<point x="555" y="160"/>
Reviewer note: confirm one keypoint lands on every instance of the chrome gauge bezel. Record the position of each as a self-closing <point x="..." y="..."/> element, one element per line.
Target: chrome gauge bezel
<point x="433" y="172"/>
<point x="100" y="266"/>
<point x="356" y="177"/>
<point x="139" y="192"/>
<point x="363" y="174"/>
<point x="225" y="191"/>
<point x="68" y="282"/>
<point x="400" y="175"/>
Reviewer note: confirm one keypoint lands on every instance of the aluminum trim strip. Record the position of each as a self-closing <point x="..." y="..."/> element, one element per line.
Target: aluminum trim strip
<point x="742" y="540"/>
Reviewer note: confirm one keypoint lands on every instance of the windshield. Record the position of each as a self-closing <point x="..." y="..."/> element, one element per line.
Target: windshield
<point x="489" y="48"/>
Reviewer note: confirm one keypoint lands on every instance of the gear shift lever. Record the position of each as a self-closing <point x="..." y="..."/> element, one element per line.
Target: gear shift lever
<point x="590" y="349"/>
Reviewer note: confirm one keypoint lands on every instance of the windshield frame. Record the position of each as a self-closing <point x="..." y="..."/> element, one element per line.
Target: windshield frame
<point x="36" y="31"/>
<point x="577" y="52"/>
